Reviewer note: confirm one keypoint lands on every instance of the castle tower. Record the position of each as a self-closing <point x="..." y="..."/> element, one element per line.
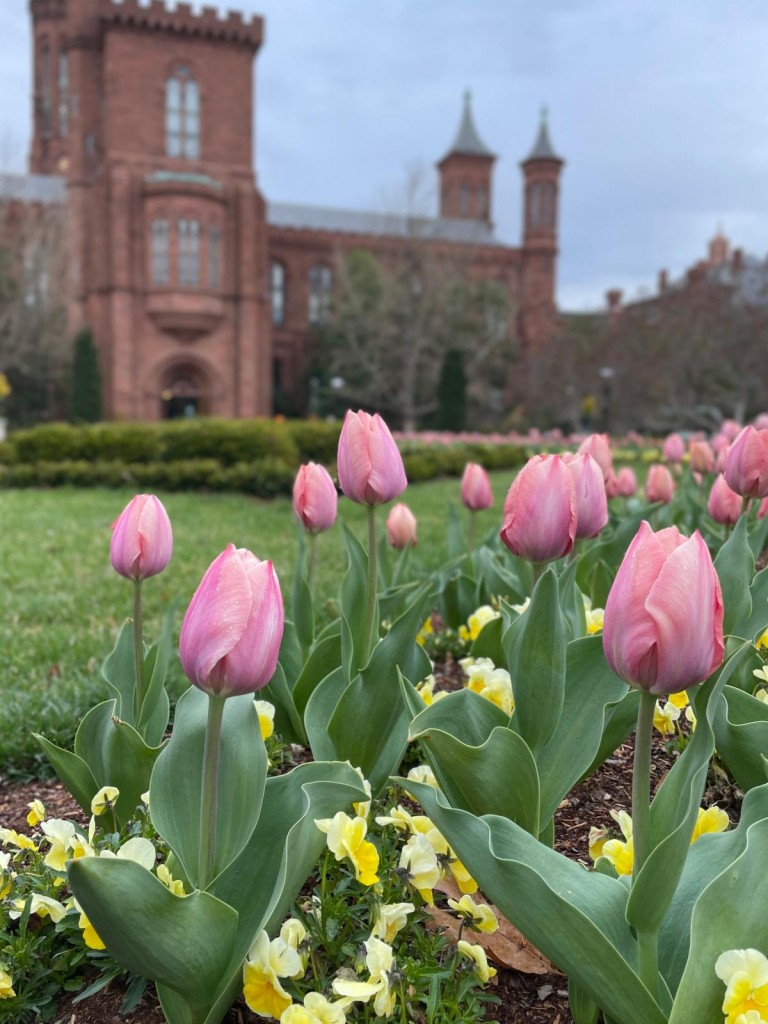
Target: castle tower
<point x="541" y="171"/>
<point x="466" y="171"/>
<point x="167" y="233"/>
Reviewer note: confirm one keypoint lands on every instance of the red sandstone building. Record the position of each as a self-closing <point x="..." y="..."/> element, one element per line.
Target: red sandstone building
<point x="200" y="293"/>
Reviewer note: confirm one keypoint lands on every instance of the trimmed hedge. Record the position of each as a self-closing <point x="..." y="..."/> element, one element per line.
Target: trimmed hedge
<point x="258" y="457"/>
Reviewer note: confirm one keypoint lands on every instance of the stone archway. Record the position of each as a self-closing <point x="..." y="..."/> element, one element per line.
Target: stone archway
<point x="185" y="391"/>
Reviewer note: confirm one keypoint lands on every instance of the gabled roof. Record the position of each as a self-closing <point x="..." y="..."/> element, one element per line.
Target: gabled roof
<point x="364" y="222"/>
<point x="542" y="147"/>
<point x="468" y="141"/>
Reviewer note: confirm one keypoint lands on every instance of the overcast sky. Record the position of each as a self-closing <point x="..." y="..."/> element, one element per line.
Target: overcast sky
<point x="660" y="110"/>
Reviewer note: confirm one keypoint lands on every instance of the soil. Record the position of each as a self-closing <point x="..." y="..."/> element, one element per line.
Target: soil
<point x="524" y="998"/>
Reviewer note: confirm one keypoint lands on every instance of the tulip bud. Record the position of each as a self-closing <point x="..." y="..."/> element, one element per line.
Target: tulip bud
<point x="730" y="429"/>
<point x="659" y="486"/>
<point x="540" y="513"/>
<point x="401" y="527"/>
<point x="231" y="634"/>
<point x="599" y="447"/>
<point x="701" y="456"/>
<point x="626" y="482"/>
<point x="663" y="624"/>
<point x="612" y="486"/>
<point x="142" y="539"/>
<point x="476" y="491"/>
<point x="314" y="498"/>
<point x="724" y="505"/>
<point x="746" y="467"/>
<point x="673" y="449"/>
<point x="371" y="469"/>
<point x="761" y="421"/>
<point x="721" y="459"/>
<point x="591" y="499"/>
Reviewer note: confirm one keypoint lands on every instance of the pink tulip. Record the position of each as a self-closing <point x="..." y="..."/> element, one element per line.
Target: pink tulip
<point x="142" y="539"/>
<point x="599" y="447"/>
<point x="315" y="498"/>
<point x="746" y="468"/>
<point x="659" y="485"/>
<point x="540" y="511"/>
<point x="721" y="458"/>
<point x="231" y="634"/>
<point x="626" y="484"/>
<point x="663" y="626"/>
<point x="674" y="448"/>
<point x="730" y="429"/>
<point x="724" y="505"/>
<point x="719" y="443"/>
<point x="476" y="491"/>
<point x="761" y="421"/>
<point x="370" y="466"/>
<point x="612" y="485"/>
<point x="401" y="527"/>
<point x="591" y="499"/>
<point x="702" y="457"/>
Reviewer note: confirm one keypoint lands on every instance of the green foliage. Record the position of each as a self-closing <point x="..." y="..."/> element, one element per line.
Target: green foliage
<point x="85" y="398"/>
<point x="451" y="393"/>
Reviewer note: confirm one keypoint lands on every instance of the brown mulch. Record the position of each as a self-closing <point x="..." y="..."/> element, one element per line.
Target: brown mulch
<point x="525" y="998"/>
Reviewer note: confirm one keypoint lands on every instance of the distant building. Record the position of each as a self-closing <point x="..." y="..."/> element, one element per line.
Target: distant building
<point x="201" y="295"/>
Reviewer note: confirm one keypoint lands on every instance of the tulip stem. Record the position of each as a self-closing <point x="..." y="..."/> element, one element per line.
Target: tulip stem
<point x="641" y="829"/>
<point x="370" y="600"/>
<point x="312" y="562"/>
<point x="138" y="650"/>
<point x="471" y="531"/>
<point x="209" y="798"/>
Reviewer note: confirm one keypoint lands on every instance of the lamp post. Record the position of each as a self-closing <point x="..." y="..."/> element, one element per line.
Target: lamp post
<point x="606" y="374"/>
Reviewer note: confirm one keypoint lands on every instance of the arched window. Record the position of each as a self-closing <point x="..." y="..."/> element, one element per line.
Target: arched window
<point x="463" y="200"/>
<point x="549" y="204"/>
<point x="320" y="289"/>
<point x="44" y="89"/>
<point x="277" y="292"/>
<point x="182" y="115"/>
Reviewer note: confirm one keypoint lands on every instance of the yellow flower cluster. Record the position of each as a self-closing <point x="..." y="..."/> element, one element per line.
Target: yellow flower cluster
<point x="620" y="853"/>
<point x="477" y="621"/>
<point x="346" y="838"/>
<point x="495" y="684"/>
<point x="665" y="716"/>
<point x="745" y="973"/>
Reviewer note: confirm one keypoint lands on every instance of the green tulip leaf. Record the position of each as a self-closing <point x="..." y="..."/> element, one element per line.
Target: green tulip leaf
<point x="535" y="645"/>
<point x="324" y="657"/>
<point x="497" y="576"/>
<point x="592" y="691"/>
<point x="709" y="856"/>
<point x="758" y="620"/>
<point x="457" y="599"/>
<point x="302" y="612"/>
<point x="153" y="718"/>
<point x="463" y="714"/>
<point x="726" y="916"/>
<point x="619" y="720"/>
<point x="291" y="655"/>
<point x="175" y="791"/>
<point x="575" y="917"/>
<point x="572" y="602"/>
<point x="116" y="755"/>
<point x="488" y="643"/>
<point x="376" y="740"/>
<point x="735" y="565"/>
<point x="320" y="707"/>
<point x="583" y="1009"/>
<point x="73" y="772"/>
<point x="184" y="943"/>
<point x="758" y="536"/>
<point x="288" y="723"/>
<point x="741" y="736"/>
<point x="120" y="673"/>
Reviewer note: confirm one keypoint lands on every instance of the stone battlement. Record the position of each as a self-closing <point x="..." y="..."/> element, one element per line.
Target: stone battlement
<point x="207" y="23"/>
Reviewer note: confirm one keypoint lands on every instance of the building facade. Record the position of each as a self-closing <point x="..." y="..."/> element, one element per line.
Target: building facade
<point x="202" y="295"/>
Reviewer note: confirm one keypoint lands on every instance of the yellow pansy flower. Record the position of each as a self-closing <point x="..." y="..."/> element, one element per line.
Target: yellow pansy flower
<point x="380" y="963"/>
<point x="175" y="885"/>
<point x="266" y="963"/>
<point x="477" y="621"/>
<point x="664" y="718"/>
<point x="390" y="918"/>
<point x="10" y="837"/>
<point x="104" y="800"/>
<point x="427" y="629"/>
<point x="60" y="834"/>
<point x="6" y="985"/>
<point x="745" y="973"/>
<point x="713" y="819"/>
<point x="91" y="937"/>
<point x="36" y="812"/>
<point x="598" y="837"/>
<point x="266" y="713"/>
<point x="477" y="915"/>
<point x="495" y="684"/>
<point x="43" y="906"/>
<point x="316" y="1010"/>
<point x="363" y="807"/>
<point x="679" y="700"/>
<point x="419" y="863"/>
<point x="595" y="617"/>
<point x="346" y="838"/>
<point x="423" y="773"/>
<point x="762" y="641"/>
<point x="482" y="968"/>
<point x="294" y="934"/>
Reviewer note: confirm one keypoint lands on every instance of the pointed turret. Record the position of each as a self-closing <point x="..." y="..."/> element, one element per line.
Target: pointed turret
<point x="542" y="147"/>
<point x="465" y="172"/>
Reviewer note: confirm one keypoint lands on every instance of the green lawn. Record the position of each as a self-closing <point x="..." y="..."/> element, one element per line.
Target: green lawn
<point x="61" y="604"/>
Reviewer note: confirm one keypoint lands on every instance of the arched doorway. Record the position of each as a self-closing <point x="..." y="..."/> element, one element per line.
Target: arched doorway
<point x="185" y="392"/>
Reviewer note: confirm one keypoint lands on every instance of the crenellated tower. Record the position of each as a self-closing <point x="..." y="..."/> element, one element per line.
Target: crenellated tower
<point x="466" y="173"/>
<point x="541" y="172"/>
